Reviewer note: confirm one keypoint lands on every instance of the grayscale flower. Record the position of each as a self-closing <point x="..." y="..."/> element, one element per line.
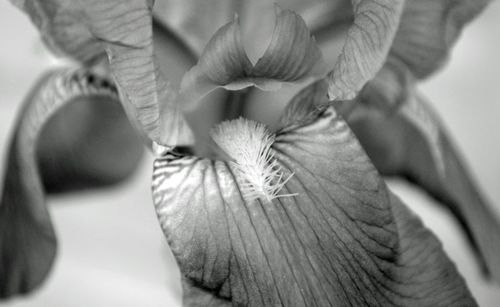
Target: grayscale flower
<point x="294" y="213"/>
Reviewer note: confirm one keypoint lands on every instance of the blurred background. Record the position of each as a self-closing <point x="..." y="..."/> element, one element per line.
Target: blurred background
<point x="112" y="251"/>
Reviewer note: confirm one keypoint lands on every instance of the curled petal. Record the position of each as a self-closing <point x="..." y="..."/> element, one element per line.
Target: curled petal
<point x="343" y="239"/>
<point x="224" y="62"/>
<point x="27" y="239"/>
<point x="368" y="42"/>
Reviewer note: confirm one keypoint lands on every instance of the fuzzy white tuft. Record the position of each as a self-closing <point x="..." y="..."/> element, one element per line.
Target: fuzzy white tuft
<point x="248" y="143"/>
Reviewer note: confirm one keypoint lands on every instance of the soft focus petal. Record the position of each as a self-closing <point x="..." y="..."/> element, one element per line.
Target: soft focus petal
<point x="63" y="28"/>
<point x="368" y="42"/>
<point x="99" y="150"/>
<point x="321" y="15"/>
<point x="428" y="31"/>
<point x="27" y="239"/>
<point x="343" y="240"/>
<point x="224" y="62"/>
<point x="195" y="21"/>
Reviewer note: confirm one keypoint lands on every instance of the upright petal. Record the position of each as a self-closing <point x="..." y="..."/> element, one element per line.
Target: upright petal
<point x="224" y="62"/>
<point x="85" y="30"/>
<point x="292" y="54"/>
<point x="367" y="44"/>
<point x="195" y="21"/>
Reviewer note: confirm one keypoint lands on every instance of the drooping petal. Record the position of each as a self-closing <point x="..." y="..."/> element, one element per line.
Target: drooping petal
<point x="27" y="239"/>
<point x="404" y="137"/>
<point x="224" y="62"/>
<point x="343" y="240"/>
<point x="84" y="30"/>
<point x="368" y="42"/>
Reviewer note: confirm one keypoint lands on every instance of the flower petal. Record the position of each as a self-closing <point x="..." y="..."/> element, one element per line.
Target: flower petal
<point x="429" y="29"/>
<point x="63" y="28"/>
<point x="195" y="21"/>
<point x="224" y="62"/>
<point x="303" y="104"/>
<point x="122" y="30"/>
<point x="292" y="54"/>
<point x="27" y="239"/>
<point x="368" y="42"/>
<point x="126" y="31"/>
<point x="343" y="240"/>
<point x="100" y="149"/>
<point x="321" y="15"/>
<point x="415" y="146"/>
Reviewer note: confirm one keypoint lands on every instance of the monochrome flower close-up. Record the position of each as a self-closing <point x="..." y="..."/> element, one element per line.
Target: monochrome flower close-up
<point x="273" y="132"/>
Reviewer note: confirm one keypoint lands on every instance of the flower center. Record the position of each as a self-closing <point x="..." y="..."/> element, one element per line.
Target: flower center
<point x="249" y="143"/>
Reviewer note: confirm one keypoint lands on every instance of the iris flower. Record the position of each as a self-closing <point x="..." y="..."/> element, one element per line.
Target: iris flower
<point x="289" y="212"/>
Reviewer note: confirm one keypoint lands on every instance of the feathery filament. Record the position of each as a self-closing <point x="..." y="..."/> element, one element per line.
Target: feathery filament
<point x="249" y="143"/>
